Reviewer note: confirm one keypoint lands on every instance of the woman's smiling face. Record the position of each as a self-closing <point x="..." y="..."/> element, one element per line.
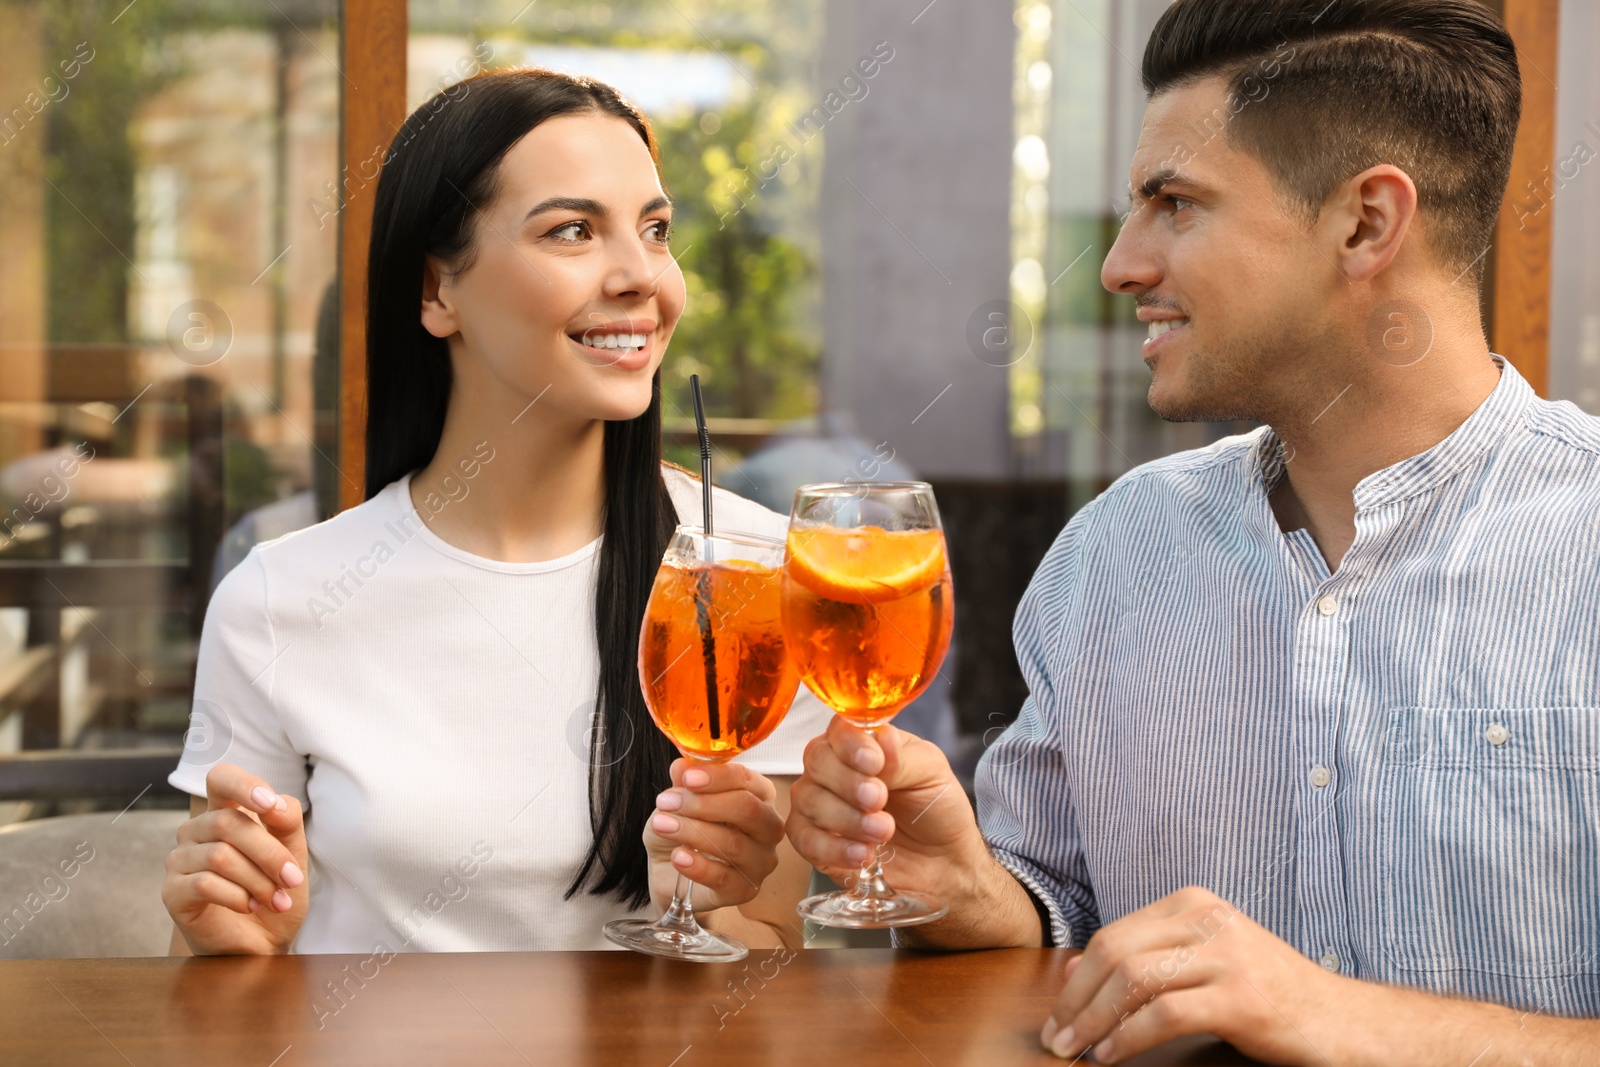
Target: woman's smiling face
<point x="570" y="293"/>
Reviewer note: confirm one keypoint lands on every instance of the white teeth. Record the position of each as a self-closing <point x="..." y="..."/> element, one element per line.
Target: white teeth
<point x="631" y="342"/>
<point x="1161" y="326"/>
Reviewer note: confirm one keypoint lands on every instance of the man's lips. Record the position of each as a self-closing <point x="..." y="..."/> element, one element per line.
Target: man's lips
<point x="1161" y="330"/>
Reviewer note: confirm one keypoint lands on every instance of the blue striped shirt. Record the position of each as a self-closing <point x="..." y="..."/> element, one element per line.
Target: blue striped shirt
<point x="1394" y="767"/>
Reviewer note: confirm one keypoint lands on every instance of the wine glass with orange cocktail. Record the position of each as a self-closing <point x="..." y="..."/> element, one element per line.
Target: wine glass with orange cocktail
<point x="867" y="616"/>
<point x="717" y="681"/>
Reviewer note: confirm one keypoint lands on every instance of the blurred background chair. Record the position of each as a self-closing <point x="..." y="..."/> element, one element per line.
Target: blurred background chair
<point x="86" y="885"/>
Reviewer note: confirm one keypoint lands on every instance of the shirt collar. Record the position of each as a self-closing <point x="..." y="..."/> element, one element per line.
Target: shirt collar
<point x="1487" y="426"/>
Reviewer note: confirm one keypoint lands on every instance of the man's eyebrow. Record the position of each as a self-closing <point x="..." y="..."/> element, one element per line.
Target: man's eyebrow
<point x="585" y="206"/>
<point x="1151" y="187"/>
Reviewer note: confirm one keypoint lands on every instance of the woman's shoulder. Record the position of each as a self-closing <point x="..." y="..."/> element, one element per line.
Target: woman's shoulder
<point x="313" y="554"/>
<point x="731" y="511"/>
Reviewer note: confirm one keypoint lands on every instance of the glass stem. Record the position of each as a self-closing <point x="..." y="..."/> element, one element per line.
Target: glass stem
<point x="870" y="883"/>
<point x="680" y="913"/>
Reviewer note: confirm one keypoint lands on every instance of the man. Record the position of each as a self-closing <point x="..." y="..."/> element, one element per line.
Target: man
<point x="1315" y="711"/>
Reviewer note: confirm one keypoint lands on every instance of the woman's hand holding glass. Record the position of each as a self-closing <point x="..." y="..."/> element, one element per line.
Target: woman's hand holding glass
<point x="717" y="681"/>
<point x="718" y="827"/>
<point x="237" y="882"/>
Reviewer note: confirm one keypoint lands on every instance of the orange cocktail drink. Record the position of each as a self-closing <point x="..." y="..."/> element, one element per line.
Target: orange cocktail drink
<point x="869" y="615"/>
<point x="711" y="655"/>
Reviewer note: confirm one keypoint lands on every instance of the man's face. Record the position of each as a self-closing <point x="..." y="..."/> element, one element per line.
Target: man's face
<point x="1241" y="299"/>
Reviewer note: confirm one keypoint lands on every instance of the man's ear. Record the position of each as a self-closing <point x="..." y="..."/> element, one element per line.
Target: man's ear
<point x="1370" y="215"/>
<point x="438" y="308"/>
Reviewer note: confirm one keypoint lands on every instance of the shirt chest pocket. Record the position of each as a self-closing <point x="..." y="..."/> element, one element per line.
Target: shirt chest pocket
<point x="1490" y="849"/>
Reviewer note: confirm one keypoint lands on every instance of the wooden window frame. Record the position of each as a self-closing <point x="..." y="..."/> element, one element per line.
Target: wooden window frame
<point x="373" y="46"/>
<point x="1519" y="283"/>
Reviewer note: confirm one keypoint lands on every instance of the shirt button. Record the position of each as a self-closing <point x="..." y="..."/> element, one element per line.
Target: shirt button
<point x="1497" y="734"/>
<point x="1330" y="962"/>
<point x="1328" y="605"/>
<point x="1321" y="776"/>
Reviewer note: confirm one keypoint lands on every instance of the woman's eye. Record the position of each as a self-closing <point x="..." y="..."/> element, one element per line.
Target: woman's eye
<point x="660" y="231"/>
<point x="572" y="231"/>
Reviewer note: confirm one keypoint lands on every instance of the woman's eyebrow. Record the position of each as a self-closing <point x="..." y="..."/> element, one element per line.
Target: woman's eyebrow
<point x="567" y="203"/>
<point x="585" y="206"/>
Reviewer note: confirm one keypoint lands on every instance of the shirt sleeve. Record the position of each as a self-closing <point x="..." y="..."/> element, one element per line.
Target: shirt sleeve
<point x="1024" y="797"/>
<point x="232" y="719"/>
<point x="784" y="752"/>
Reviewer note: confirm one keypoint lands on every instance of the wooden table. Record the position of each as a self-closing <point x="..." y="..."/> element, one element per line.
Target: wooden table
<point x="834" y="1007"/>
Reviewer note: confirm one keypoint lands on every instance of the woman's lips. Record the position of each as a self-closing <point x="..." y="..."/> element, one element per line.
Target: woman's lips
<point x="624" y="359"/>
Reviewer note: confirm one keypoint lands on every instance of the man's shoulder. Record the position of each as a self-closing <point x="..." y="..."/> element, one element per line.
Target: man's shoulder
<point x="1567" y="427"/>
<point x="1211" y="477"/>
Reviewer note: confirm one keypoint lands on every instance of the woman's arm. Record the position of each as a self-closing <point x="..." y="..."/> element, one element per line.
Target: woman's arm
<point x="180" y="947"/>
<point x="769" y="920"/>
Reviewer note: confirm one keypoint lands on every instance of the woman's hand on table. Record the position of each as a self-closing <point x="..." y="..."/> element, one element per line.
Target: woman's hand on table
<point x="237" y="882"/>
<point x="718" y="826"/>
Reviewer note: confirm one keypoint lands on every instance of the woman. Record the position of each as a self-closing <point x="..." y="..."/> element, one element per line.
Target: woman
<point x="444" y="678"/>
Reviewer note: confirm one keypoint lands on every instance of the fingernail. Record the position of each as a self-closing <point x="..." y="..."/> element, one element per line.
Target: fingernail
<point x="682" y="858"/>
<point x="866" y="794"/>
<point x="253" y="904"/>
<point x="1065" y="1043"/>
<point x="1104" y="1052"/>
<point x="865" y="760"/>
<point x="858" y="853"/>
<point x="664" y="824"/>
<point x="291" y="875"/>
<point x="696" y="778"/>
<point x="266" y="799"/>
<point x="281" y="901"/>
<point x="669" y="801"/>
<point x="1048" y="1032"/>
<point x="877" y="825"/>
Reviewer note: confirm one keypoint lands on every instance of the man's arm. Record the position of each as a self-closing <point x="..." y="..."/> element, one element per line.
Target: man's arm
<point x="859" y="791"/>
<point x="1191" y="963"/>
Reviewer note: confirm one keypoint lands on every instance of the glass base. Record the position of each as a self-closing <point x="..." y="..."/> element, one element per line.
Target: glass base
<point x="858" y="911"/>
<point x="700" y="946"/>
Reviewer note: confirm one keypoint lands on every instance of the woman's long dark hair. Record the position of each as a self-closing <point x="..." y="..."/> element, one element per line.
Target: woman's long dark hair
<point x="441" y="168"/>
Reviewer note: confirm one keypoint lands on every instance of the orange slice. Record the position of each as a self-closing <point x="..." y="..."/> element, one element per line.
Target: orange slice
<point x="867" y="564"/>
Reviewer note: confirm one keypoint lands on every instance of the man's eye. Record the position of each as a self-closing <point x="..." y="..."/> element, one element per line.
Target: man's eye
<point x="1178" y="203"/>
<point x="572" y="231"/>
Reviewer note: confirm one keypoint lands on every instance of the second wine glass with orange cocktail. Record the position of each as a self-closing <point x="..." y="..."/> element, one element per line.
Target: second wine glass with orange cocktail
<point x="717" y="681"/>
<point x="867" y="617"/>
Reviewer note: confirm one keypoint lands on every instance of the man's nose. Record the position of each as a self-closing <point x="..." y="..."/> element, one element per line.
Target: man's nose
<point x="1130" y="266"/>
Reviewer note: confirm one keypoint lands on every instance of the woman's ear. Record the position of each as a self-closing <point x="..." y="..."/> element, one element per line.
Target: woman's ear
<point x="438" y="309"/>
<point x="1372" y="214"/>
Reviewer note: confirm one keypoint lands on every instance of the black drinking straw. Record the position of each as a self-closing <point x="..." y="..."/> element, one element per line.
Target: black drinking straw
<point x="702" y="600"/>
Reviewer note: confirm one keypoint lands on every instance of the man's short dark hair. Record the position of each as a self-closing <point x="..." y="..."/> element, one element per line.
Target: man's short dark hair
<point x="1320" y="90"/>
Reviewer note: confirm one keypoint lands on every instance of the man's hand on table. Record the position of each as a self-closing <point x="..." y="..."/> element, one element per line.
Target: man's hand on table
<point x="860" y="790"/>
<point x="1191" y="963"/>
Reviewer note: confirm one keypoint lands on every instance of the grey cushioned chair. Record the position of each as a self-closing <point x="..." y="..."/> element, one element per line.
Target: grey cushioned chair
<point x="86" y="885"/>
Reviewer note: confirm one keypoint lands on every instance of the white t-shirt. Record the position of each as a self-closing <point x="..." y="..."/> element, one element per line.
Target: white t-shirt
<point x="432" y="710"/>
